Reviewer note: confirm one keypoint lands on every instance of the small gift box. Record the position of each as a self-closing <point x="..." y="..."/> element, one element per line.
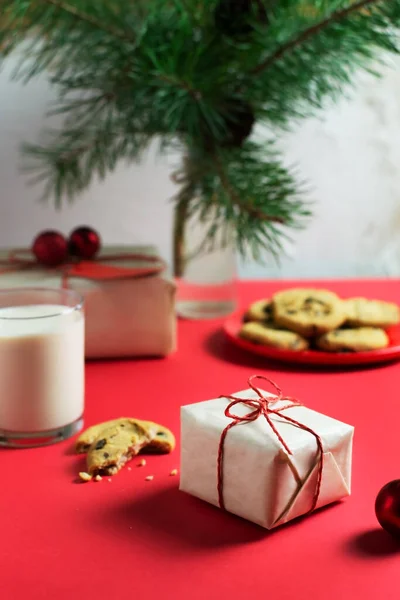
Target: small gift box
<point x="264" y="457"/>
<point x="129" y="302"/>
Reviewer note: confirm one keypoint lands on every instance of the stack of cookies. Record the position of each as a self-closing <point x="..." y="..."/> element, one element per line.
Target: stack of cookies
<point x="298" y="319"/>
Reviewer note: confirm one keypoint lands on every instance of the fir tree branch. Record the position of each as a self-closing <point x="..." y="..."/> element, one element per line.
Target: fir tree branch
<point x="75" y="13"/>
<point x="310" y="32"/>
<point x="68" y="160"/>
<point x="246" y="191"/>
<point x="164" y="69"/>
<point x="195" y="94"/>
<point x="81" y="16"/>
<point x="236" y="201"/>
<point x="180" y="221"/>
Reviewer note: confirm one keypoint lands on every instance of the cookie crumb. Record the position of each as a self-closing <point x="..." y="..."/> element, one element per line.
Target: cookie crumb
<point x="85" y="476"/>
<point x="98" y="478"/>
<point x="109" y="479"/>
<point x="129" y="468"/>
<point x="149" y="478"/>
<point x="142" y="463"/>
<point x="174" y="472"/>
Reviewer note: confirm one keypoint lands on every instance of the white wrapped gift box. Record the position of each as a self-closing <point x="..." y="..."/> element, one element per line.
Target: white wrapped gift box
<point x="124" y="316"/>
<point x="262" y="482"/>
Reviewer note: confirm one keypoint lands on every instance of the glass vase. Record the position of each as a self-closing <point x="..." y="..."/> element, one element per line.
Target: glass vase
<point x="205" y="273"/>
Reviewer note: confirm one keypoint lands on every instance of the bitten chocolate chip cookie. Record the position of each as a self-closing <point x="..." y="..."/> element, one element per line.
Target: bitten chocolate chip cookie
<point x="161" y="440"/>
<point x="114" y="447"/>
<point x="371" y="313"/>
<point x="260" y="311"/>
<point x="353" y="340"/>
<point x="272" y="336"/>
<point x="308" y="312"/>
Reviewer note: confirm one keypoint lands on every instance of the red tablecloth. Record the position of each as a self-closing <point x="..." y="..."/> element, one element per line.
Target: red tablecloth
<point x="130" y="538"/>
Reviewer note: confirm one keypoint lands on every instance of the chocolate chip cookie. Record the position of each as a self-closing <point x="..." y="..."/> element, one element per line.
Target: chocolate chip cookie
<point x="161" y="440"/>
<point x="371" y="313"/>
<point x="308" y="312"/>
<point x="260" y="311"/>
<point x="269" y="335"/>
<point x="115" y="446"/>
<point x="358" y="339"/>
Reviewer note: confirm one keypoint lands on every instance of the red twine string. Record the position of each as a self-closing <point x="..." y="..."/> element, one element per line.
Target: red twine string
<point x="263" y="407"/>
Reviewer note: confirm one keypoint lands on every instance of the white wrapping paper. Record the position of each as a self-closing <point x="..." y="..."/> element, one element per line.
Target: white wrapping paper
<point x="261" y="482"/>
<point x="123" y="317"/>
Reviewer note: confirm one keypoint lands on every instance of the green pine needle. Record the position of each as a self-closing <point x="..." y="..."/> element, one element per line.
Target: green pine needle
<point x="185" y="73"/>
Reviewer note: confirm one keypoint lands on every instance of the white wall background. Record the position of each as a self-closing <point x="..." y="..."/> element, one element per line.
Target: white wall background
<point x="350" y="155"/>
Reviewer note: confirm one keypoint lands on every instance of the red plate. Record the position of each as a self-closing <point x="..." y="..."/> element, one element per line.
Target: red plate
<point x="315" y="357"/>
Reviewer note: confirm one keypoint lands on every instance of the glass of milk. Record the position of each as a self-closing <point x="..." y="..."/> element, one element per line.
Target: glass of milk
<point x="41" y="366"/>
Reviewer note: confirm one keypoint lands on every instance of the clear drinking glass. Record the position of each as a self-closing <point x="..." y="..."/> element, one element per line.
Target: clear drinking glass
<point x="207" y="285"/>
<point x="41" y="366"/>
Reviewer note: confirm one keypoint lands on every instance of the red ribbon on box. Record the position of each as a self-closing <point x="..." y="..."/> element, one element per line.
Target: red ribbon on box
<point x="263" y="406"/>
<point x="96" y="269"/>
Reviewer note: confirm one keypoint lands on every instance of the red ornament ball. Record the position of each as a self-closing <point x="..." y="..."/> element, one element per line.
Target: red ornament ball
<point x="84" y="242"/>
<point x="50" y="248"/>
<point x="387" y="507"/>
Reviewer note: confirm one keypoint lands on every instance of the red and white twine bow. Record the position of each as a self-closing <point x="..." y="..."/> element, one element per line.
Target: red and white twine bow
<point x="263" y="406"/>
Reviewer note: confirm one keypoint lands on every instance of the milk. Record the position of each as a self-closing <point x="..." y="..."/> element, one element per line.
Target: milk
<point x="41" y="367"/>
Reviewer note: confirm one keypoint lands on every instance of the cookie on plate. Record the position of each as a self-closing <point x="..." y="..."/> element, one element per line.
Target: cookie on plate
<point x="362" y="312"/>
<point x="260" y="311"/>
<point x="268" y="335"/>
<point x="308" y="312"/>
<point x="161" y="440"/>
<point x="358" y="339"/>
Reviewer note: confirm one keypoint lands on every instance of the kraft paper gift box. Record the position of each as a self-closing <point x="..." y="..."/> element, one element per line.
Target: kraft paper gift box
<point x="125" y="316"/>
<point x="261" y="482"/>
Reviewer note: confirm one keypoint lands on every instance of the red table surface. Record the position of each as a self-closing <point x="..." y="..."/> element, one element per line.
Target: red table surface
<point x="131" y="538"/>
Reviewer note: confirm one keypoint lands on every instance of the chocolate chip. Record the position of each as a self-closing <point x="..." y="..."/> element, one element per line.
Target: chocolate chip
<point x="160" y="433"/>
<point x="291" y="311"/>
<point x="267" y="309"/>
<point x="100" y="444"/>
<point x="122" y="425"/>
<point x="315" y="301"/>
<point x="106" y="455"/>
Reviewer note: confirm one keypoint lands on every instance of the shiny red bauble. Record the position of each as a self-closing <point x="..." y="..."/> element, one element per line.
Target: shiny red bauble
<point x="387" y="507"/>
<point x="84" y="242"/>
<point x="50" y="248"/>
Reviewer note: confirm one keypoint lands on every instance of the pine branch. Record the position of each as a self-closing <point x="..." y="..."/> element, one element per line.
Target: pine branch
<point x="67" y="161"/>
<point x="65" y="51"/>
<point x="81" y="16"/>
<point x="131" y="70"/>
<point x="247" y="191"/>
<point x="178" y="236"/>
<point x="195" y="94"/>
<point x="311" y="31"/>
<point x="244" y="207"/>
